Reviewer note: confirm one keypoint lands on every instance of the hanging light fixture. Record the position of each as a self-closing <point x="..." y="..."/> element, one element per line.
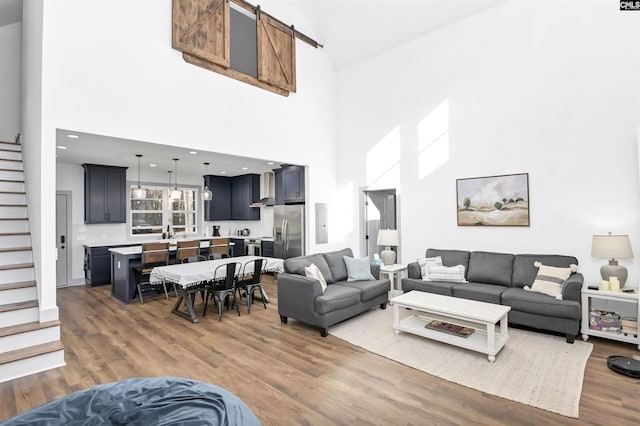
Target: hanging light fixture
<point x="139" y="192"/>
<point x="175" y="193"/>
<point x="206" y="192"/>
<point x="170" y="184"/>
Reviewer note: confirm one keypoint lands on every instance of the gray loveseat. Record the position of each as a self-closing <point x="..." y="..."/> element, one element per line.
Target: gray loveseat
<point x="301" y="297"/>
<point x="499" y="278"/>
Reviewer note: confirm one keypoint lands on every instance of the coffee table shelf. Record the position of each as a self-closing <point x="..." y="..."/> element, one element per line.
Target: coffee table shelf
<point x="480" y="316"/>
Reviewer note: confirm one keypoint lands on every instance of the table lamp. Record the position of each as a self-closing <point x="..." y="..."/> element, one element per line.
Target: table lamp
<point x="388" y="238"/>
<point x="612" y="247"/>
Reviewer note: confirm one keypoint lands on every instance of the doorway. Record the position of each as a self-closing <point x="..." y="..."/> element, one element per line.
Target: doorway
<point x="379" y="212"/>
<point x="63" y="225"/>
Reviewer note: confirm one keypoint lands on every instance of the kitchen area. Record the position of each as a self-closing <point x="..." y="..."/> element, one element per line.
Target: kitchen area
<point x="261" y="213"/>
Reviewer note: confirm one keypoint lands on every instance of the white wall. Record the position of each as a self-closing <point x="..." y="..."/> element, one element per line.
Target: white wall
<point x="526" y="87"/>
<point x="115" y="74"/>
<point x="10" y="52"/>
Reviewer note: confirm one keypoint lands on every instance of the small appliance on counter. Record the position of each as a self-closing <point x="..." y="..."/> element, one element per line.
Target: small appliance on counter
<point x="216" y="230"/>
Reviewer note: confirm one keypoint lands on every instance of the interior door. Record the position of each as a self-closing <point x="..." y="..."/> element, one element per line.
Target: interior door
<point x="61" y="241"/>
<point x="379" y="213"/>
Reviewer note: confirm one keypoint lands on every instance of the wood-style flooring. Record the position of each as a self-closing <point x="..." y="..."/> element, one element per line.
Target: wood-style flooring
<point x="288" y="375"/>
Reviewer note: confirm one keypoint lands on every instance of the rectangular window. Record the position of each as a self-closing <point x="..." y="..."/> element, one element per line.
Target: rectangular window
<point x="155" y="213"/>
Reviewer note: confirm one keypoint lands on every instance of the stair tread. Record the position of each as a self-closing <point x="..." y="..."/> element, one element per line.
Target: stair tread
<point x="11" y="249"/>
<point x="30" y="352"/>
<point x="13" y="192"/>
<point x="20" y="284"/>
<point x="10" y="159"/>
<point x="19" y="305"/>
<point x="8" y="234"/>
<point x="16" y="266"/>
<point x="29" y="326"/>
<point x="14" y="218"/>
<point x="13" y="205"/>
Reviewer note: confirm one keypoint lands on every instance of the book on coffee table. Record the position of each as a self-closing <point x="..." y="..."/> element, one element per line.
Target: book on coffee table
<point x="456" y="330"/>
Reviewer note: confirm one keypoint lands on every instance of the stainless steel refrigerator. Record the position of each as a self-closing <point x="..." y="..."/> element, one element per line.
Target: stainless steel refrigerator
<point x="288" y="231"/>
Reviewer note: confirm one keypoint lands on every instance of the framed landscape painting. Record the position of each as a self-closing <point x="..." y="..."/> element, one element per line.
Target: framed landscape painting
<point x="493" y="200"/>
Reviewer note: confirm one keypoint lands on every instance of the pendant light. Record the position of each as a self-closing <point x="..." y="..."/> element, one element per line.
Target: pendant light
<point x="175" y="193"/>
<point x="170" y="184"/>
<point x="139" y="192"/>
<point x="206" y="193"/>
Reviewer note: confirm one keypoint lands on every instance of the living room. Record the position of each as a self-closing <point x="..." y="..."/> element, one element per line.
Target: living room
<point x="521" y="87"/>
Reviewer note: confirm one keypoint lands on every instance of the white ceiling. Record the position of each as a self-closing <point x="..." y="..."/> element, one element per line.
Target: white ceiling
<point x="350" y="30"/>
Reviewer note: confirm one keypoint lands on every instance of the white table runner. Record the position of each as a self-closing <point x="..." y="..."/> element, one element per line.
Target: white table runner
<point x="190" y="274"/>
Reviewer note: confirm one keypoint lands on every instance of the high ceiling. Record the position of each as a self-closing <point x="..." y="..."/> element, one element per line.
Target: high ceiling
<point x="350" y="30"/>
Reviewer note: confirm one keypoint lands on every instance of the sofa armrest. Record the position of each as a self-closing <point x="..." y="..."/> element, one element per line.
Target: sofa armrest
<point x="375" y="271"/>
<point x="414" y="271"/>
<point x="297" y="295"/>
<point x="572" y="287"/>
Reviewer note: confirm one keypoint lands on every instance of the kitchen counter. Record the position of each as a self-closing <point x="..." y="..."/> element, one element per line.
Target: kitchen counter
<point x="144" y="240"/>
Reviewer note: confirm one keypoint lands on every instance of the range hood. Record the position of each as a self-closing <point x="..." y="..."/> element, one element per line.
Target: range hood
<point x="268" y="184"/>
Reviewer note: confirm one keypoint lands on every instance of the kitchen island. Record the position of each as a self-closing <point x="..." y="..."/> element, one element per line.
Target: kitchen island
<point x="125" y="259"/>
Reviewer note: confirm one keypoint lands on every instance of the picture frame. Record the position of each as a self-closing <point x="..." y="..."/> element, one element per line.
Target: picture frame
<point x="501" y="200"/>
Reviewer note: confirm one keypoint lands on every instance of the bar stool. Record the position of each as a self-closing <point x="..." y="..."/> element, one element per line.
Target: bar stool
<point x="153" y="255"/>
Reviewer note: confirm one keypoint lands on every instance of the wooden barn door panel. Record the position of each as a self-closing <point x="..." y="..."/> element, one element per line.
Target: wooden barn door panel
<point x="276" y="53"/>
<point x="201" y="28"/>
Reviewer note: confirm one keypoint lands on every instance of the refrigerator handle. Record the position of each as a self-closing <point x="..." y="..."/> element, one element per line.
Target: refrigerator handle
<point x="285" y="236"/>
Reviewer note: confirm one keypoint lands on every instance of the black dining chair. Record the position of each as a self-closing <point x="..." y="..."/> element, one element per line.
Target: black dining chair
<point x="223" y="288"/>
<point x="253" y="283"/>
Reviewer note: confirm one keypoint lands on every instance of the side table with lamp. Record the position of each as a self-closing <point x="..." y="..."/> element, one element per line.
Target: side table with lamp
<point x="612" y="247"/>
<point x="388" y="238"/>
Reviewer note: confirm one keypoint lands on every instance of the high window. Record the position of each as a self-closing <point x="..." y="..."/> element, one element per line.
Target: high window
<point x="157" y="213"/>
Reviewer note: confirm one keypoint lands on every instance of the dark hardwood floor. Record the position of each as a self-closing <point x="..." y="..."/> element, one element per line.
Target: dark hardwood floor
<point x="288" y="375"/>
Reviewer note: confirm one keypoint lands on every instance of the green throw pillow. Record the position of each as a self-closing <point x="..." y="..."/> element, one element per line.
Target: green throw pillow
<point x="358" y="269"/>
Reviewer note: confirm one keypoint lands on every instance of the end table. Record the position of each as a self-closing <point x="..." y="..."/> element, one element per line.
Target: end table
<point x="394" y="272"/>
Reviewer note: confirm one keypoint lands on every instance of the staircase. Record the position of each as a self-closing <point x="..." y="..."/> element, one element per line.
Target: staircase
<point x="26" y="345"/>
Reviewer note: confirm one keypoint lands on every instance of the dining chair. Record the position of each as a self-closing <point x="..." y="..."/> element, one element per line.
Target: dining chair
<point x="187" y="249"/>
<point x="251" y="284"/>
<point x="219" y="248"/>
<point x="153" y="255"/>
<point x="223" y="288"/>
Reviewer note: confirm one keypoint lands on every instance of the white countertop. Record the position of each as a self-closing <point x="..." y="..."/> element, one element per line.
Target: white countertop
<point x="145" y="240"/>
<point x="138" y="249"/>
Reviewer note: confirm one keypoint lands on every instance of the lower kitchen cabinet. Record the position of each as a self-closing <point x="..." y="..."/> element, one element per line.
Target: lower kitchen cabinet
<point x="238" y="248"/>
<point x="97" y="265"/>
<point x="267" y="248"/>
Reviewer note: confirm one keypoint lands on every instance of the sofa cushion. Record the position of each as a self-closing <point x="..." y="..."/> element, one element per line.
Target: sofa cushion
<point x="451" y="257"/>
<point x="550" y="279"/>
<point x="426" y="262"/>
<point x="358" y="269"/>
<point x="445" y="273"/>
<point x="489" y="293"/>
<point x="312" y="271"/>
<point x="540" y="304"/>
<point x="524" y="273"/>
<point x="370" y="289"/>
<point x="437" y="287"/>
<point x="336" y="263"/>
<point x="490" y="268"/>
<point x="296" y="265"/>
<point x="337" y="296"/>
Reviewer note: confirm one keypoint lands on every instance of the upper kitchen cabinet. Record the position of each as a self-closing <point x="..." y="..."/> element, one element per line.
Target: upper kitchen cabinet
<point x="289" y="182"/>
<point x="231" y="197"/>
<point x="245" y="189"/>
<point x="105" y="194"/>
<point x="219" y="207"/>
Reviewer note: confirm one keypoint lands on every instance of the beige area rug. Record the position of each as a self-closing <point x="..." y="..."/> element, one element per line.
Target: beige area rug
<point x="535" y="369"/>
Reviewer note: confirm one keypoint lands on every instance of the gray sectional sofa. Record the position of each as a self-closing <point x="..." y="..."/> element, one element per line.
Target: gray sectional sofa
<point x="301" y="297"/>
<point x="499" y="278"/>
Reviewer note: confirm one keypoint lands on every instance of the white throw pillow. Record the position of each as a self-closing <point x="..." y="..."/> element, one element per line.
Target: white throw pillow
<point x="312" y="271"/>
<point x="446" y="273"/>
<point x="428" y="261"/>
<point x="550" y="279"/>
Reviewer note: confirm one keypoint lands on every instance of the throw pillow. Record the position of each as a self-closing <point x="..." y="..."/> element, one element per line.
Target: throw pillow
<point x="446" y="273"/>
<point x="428" y="261"/>
<point x="312" y="271"/>
<point x="550" y="279"/>
<point x="358" y="269"/>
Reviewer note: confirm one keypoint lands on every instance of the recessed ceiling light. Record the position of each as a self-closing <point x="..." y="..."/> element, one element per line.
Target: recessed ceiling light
<point x="61" y="147"/>
<point x="73" y="136"/>
<point x="193" y="152"/>
<point x="152" y="165"/>
<point x="245" y="168"/>
<point x="271" y="163"/>
<point x="223" y="173"/>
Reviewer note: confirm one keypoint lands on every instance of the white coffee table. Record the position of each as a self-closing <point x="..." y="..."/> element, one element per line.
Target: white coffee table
<point x="480" y="316"/>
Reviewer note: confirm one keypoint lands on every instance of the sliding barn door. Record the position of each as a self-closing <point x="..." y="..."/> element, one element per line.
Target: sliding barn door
<point x="276" y="53"/>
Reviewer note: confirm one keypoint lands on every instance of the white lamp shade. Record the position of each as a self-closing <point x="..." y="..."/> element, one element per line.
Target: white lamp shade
<point x="207" y="194"/>
<point x="139" y="192"/>
<point x="611" y="247"/>
<point x="388" y="237"/>
<point x="175" y="194"/>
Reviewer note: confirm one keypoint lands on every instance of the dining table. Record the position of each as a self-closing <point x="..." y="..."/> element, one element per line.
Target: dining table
<point x="191" y="278"/>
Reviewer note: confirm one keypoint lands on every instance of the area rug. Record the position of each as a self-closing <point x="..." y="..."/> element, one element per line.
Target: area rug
<point x="535" y="369"/>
